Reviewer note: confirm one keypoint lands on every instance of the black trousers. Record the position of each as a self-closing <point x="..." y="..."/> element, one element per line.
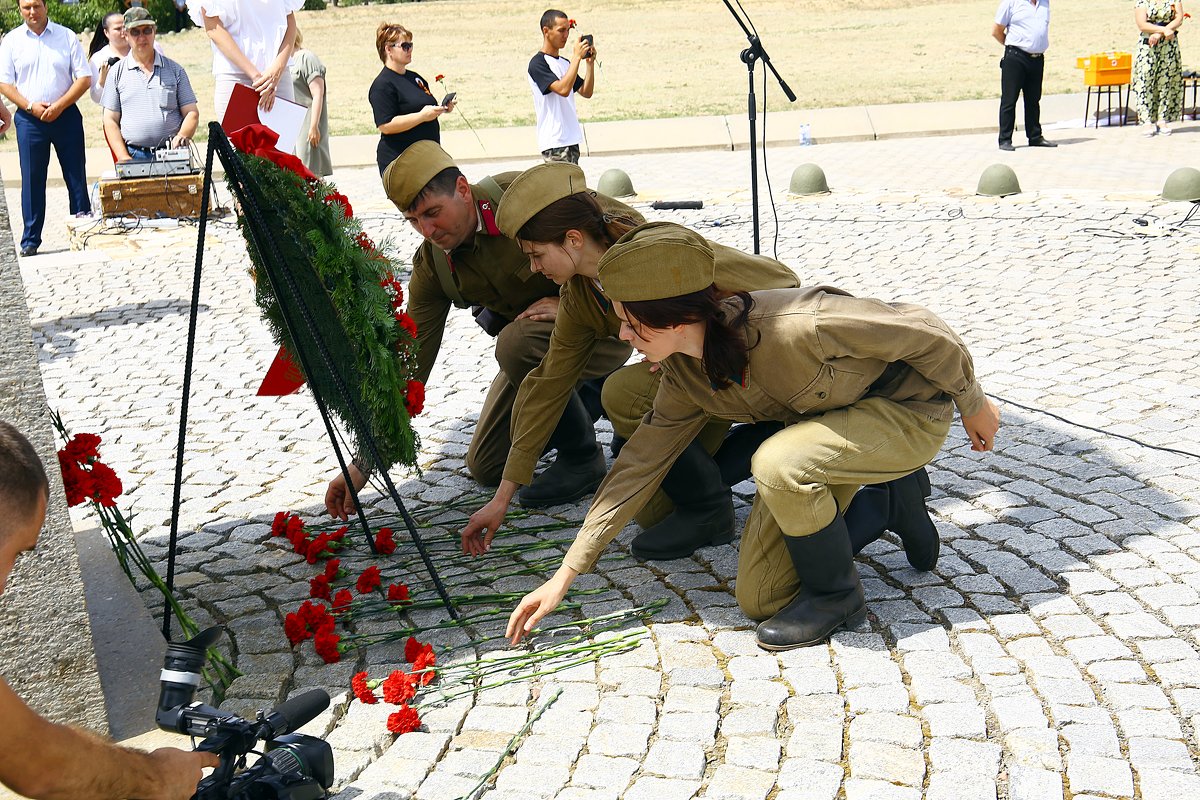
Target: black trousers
<point x="1020" y="74"/>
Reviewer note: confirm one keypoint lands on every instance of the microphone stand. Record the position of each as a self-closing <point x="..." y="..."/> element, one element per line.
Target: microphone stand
<point x="750" y="56"/>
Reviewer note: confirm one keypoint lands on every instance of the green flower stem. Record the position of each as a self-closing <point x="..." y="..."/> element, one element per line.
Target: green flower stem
<point x="511" y="747"/>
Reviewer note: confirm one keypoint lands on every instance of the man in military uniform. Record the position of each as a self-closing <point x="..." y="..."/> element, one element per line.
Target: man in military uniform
<point x="466" y="262"/>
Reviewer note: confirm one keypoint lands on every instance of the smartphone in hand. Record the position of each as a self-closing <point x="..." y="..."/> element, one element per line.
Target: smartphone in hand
<point x="448" y="99"/>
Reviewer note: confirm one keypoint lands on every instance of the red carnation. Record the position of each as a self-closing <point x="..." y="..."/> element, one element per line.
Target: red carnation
<point x="414" y="398"/>
<point x="299" y="541"/>
<point x="404" y="720"/>
<point x="342" y="200"/>
<point x="332" y="567"/>
<point x="407" y="323"/>
<point x="342" y="601"/>
<point x="397" y="594"/>
<point x="105" y="485"/>
<point x="280" y="524"/>
<point x="83" y="447"/>
<point x="339" y="534"/>
<point x="438" y="77"/>
<point x="369" y="579"/>
<point x="423" y="666"/>
<point x="327" y="647"/>
<point x="76" y="480"/>
<point x="399" y="687"/>
<point x="318" y="587"/>
<point x="295" y="628"/>
<point x="364" y="241"/>
<point x="316" y="548"/>
<point x="358" y="684"/>
<point x="384" y="542"/>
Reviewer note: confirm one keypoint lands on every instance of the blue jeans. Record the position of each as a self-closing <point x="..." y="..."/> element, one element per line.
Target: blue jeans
<point x="139" y="153"/>
<point x="34" y="139"/>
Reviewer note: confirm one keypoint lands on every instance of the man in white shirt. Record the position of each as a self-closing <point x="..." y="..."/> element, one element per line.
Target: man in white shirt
<point x="43" y="72"/>
<point x="555" y="81"/>
<point x="1023" y="27"/>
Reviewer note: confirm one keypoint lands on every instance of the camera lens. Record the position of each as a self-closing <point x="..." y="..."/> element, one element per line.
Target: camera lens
<point x="181" y="669"/>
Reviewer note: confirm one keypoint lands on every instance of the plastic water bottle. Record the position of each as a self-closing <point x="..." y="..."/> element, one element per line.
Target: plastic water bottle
<point x="805" y="134"/>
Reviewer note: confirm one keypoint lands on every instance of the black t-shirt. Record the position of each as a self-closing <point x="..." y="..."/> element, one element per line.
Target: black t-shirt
<point x="393" y="94"/>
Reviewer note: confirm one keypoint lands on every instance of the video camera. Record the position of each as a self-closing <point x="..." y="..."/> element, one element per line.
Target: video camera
<point x="293" y="766"/>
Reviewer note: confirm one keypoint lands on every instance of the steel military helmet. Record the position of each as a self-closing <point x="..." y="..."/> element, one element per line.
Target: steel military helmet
<point x="1182" y="184"/>
<point x="998" y="180"/>
<point x="616" y="183"/>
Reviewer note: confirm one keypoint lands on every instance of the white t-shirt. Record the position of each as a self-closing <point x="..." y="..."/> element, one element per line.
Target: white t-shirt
<point x="557" y="122"/>
<point x="257" y="27"/>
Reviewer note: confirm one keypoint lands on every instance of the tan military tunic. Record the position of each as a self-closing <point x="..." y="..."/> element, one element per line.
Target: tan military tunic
<point x="585" y="318"/>
<point x="818" y="350"/>
<point x="489" y="271"/>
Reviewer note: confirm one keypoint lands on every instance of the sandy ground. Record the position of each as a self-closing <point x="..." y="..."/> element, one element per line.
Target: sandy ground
<point x="671" y="58"/>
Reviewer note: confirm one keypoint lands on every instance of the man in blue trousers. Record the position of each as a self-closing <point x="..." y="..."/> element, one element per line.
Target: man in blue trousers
<point x="43" y="72"/>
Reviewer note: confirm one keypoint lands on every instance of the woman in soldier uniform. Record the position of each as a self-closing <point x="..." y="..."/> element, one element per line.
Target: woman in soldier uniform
<point x="565" y="229"/>
<point x="865" y="391"/>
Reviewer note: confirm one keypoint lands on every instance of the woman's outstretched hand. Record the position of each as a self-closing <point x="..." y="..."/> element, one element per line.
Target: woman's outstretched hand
<point x="538" y="603"/>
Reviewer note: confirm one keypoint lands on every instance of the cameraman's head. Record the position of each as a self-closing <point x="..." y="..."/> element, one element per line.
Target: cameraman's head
<point x="23" y="494"/>
<point x="429" y="189"/>
<point x="555" y="28"/>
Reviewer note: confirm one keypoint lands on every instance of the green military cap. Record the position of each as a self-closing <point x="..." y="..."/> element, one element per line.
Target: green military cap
<point x="533" y="190"/>
<point x="407" y="175"/>
<point x="655" y="261"/>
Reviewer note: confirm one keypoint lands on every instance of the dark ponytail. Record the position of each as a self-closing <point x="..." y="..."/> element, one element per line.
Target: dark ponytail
<point x="726" y="350"/>
<point x="579" y="212"/>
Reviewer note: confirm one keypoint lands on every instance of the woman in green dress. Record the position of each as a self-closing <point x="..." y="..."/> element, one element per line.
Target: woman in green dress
<point x="1157" y="67"/>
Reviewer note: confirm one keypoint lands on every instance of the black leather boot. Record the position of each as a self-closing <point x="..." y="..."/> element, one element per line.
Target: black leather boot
<point x="867" y="515"/>
<point x="739" y="446"/>
<point x="831" y="594"/>
<point x="703" y="512"/>
<point x="909" y="519"/>
<point x="577" y="469"/>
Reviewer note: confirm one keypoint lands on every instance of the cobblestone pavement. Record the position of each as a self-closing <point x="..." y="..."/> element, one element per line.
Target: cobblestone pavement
<point x="1052" y="653"/>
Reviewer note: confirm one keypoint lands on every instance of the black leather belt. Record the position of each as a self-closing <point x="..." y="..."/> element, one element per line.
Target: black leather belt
<point x="1023" y="52"/>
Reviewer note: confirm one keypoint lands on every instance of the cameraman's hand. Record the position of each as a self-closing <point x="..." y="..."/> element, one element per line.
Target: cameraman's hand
<point x="179" y="771"/>
<point x="581" y="50"/>
<point x="338" y="500"/>
<point x="590" y="57"/>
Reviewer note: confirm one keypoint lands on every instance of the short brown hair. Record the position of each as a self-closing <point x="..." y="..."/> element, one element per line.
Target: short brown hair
<point x="22" y="478"/>
<point x="388" y="32"/>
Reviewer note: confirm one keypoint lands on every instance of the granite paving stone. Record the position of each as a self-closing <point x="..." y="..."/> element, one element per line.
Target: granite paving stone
<point x="1053" y="651"/>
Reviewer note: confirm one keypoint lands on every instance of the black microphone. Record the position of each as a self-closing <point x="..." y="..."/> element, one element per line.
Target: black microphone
<point x="295" y="713"/>
<point x="671" y="205"/>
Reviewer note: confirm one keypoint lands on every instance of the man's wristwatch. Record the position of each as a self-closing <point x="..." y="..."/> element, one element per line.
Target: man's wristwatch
<point x="29" y="108"/>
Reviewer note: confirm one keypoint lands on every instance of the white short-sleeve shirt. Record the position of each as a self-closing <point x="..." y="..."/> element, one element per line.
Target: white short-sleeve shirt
<point x="257" y="27"/>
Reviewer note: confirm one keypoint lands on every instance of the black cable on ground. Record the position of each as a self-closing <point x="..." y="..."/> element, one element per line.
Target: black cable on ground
<point x="1100" y="431"/>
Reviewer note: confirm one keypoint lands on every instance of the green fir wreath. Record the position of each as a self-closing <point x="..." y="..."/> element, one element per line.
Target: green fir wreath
<point x="354" y="299"/>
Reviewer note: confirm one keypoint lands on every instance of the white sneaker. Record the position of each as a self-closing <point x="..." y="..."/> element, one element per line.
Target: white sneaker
<point x="1148" y="129"/>
<point x="1164" y="129"/>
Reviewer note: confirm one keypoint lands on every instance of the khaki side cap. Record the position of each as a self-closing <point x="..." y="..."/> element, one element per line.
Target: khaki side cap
<point x="655" y="261"/>
<point x="533" y="190"/>
<point x="407" y="175"/>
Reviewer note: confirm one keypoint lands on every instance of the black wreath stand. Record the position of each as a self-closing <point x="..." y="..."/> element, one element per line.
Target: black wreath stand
<point x="751" y="56"/>
<point x="312" y="352"/>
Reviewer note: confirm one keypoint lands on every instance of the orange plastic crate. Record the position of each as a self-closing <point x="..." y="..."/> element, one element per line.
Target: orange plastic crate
<point x="1105" y="69"/>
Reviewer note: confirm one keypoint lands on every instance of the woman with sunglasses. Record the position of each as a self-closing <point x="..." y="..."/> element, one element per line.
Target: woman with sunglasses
<point x="252" y="42"/>
<point x="403" y="104"/>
